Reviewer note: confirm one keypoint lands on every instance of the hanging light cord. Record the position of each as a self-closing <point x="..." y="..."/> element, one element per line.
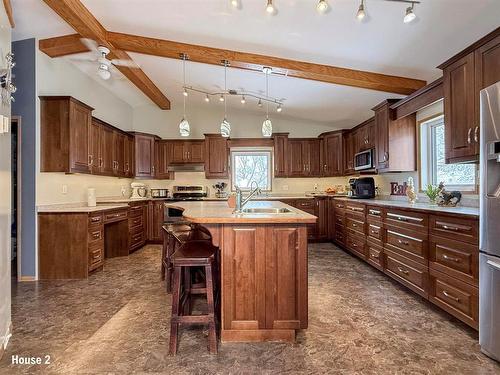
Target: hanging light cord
<point x="225" y="87"/>
<point x="184" y="79"/>
<point x="267" y="95"/>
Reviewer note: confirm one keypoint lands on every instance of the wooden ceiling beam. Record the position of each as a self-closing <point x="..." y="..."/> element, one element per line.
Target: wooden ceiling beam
<point x="8" y="9"/>
<point x="87" y="26"/>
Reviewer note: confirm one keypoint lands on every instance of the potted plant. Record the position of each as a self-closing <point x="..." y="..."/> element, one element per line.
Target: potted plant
<point x="432" y="192"/>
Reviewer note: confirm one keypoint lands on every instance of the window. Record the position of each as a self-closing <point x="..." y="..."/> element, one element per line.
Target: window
<point x="251" y="164"/>
<point x="433" y="168"/>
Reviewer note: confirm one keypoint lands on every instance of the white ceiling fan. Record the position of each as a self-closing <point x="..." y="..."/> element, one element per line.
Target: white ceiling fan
<point x="104" y="65"/>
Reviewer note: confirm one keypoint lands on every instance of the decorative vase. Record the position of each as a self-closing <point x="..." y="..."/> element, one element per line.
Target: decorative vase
<point x="410" y="191"/>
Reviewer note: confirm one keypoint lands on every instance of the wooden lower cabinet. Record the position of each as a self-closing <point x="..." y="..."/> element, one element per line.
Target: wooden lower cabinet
<point x="155" y="220"/>
<point x="264" y="284"/>
<point x="411" y="274"/>
<point x="137" y="225"/>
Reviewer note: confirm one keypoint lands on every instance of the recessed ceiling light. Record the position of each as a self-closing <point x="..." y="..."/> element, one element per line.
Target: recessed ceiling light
<point x="409" y="16"/>
<point x="322" y="6"/>
<point x="361" y="11"/>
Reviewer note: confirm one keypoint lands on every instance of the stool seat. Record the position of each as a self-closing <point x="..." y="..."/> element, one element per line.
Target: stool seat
<point x="177" y="227"/>
<point x="194" y="253"/>
<point x="195" y="234"/>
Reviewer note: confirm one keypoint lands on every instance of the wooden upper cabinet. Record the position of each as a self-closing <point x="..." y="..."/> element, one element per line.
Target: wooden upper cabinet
<point x="333" y="156"/>
<point x="163" y="151"/>
<point x="144" y="155"/>
<point x="366" y="136"/>
<point x="95" y="147"/>
<point x="304" y="157"/>
<point x="188" y="152"/>
<point x="107" y="161"/>
<point x="280" y="154"/>
<point x="119" y="153"/>
<point x="129" y="156"/>
<point x="348" y="141"/>
<point x="313" y="152"/>
<point x="216" y="160"/>
<point x="464" y="76"/>
<point x="459" y="110"/>
<point x="395" y="140"/>
<point x="65" y="131"/>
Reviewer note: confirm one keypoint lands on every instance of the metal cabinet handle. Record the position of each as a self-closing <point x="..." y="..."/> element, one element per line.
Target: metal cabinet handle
<point x="375" y="256"/>
<point x="468" y="135"/>
<point x="100" y="162"/>
<point x="476" y="134"/>
<point x="95" y="219"/>
<point x="91" y="159"/>
<point x="406" y="243"/>
<point x="451" y="258"/>
<point x="447" y="294"/>
<point x="96" y="235"/>
<point x="358" y="209"/>
<point x="354" y="225"/>
<point x="402" y="270"/>
<point x="353" y="244"/>
<point x="374" y="212"/>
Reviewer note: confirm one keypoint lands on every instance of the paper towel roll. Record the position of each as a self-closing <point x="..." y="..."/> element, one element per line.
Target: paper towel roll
<point x="91" y="200"/>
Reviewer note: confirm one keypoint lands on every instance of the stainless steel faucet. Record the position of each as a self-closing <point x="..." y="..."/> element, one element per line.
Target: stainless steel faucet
<point x="240" y="202"/>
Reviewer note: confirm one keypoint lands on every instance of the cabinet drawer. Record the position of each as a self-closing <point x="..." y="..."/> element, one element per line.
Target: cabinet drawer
<point x="373" y="214"/>
<point x="137" y="239"/>
<point x="340" y="236"/>
<point x="340" y="220"/>
<point x="454" y="258"/>
<point x="135" y="221"/>
<point x="303" y="204"/>
<point x="95" y="234"/>
<point x="356" y="243"/>
<point x="460" y="229"/>
<point x="375" y="231"/>
<point x="456" y="297"/>
<point x="375" y="256"/>
<point x="339" y="205"/>
<point x="95" y="219"/>
<point x="135" y="211"/>
<point x="109" y="217"/>
<point x="355" y="225"/>
<point x="410" y="244"/>
<point x="411" y="274"/>
<point x="96" y="257"/>
<point x="355" y="208"/>
<point x="408" y="220"/>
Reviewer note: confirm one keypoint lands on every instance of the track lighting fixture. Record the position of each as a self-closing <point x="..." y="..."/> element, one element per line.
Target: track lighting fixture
<point x="235" y="3"/>
<point x="243" y="101"/>
<point x="207" y="98"/>
<point x="270" y="7"/>
<point x="184" y="128"/>
<point x="361" y="11"/>
<point x="409" y="16"/>
<point x="322" y="6"/>
<point x="279" y="108"/>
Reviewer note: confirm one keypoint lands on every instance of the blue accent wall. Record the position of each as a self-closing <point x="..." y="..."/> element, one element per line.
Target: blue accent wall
<point x="25" y="107"/>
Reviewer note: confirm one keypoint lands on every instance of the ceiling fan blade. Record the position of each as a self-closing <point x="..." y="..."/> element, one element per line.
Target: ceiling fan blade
<point x="84" y="59"/>
<point x="89" y="43"/>
<point x="126" y="63"/>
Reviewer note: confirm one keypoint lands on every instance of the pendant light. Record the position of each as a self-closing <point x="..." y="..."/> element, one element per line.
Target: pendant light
<point x="267" y="126"/>
<point x="409" y="15"/>
<point x="225" y="126"/>
<point x="184" y="127"/>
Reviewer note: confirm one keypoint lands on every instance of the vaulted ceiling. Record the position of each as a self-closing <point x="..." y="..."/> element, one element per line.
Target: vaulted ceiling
<point x="381" y="44"/>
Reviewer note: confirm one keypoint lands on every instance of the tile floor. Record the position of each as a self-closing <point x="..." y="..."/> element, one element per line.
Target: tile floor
<point x="116" y="322"/>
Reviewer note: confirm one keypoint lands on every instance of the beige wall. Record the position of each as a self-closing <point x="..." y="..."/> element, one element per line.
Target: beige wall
<point x="5" y="199"/>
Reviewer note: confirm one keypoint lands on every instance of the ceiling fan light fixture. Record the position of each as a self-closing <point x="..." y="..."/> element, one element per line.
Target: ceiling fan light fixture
<point x="322" y="6"/>
<point x="270" y="7"/>
<point x="361" y="14"/>
<point x="409" y="15"/>
<point x="104" y="72"/>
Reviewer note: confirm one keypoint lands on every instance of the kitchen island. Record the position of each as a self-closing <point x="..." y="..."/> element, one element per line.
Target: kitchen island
<point x="263" y="267"/>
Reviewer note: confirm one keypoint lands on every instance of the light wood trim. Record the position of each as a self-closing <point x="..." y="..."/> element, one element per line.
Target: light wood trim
<point x="87" y="26"/>
<point x="233" y="335"/>
<point x="254" y="62"/>
<point x="8" y="9"/>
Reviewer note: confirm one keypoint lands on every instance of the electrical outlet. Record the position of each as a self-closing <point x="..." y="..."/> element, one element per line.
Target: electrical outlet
<point x="285" y="187"/>
<point x="64" y="189"/>
<point x="124" y="191"/>
<point x="5" y="123"/>
<point x="315" y="187"/>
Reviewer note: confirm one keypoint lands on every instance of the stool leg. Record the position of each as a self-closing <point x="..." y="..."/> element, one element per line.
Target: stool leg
<point x="212" y="333"/>
<point x="187" y="290"/>
<point x="174" y="323"/>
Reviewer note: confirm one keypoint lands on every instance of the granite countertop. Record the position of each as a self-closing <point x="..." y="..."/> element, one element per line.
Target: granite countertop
<point x="221" y="213"/>
<point x="78" y="207"/>
<point x="459" y="210"/>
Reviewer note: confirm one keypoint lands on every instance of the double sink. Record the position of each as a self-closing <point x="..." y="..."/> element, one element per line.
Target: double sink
<point x="264" y="210"/>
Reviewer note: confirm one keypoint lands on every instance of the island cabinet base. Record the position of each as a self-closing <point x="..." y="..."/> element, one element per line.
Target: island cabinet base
<point x="263" y="280"/>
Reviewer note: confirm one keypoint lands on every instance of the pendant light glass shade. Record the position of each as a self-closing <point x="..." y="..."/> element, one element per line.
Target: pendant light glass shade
<point x="225" y="128"/>
<point x="267" y="128"/>
<point x="184" y="128"/>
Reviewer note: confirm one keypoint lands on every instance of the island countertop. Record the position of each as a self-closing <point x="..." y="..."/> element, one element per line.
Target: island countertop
<point x="210" y="212"/>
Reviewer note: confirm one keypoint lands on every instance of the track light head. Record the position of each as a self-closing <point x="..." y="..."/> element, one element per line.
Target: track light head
<point x="243" y="101"/>
<point x="185" y="93"/>
<point x="361" y="14"/>
<point x="259" y="103"/>
<point x="207" y="98"/>
<point x="409" y="16"/>
<point x="270" y="7"/>
<point x="221" y="98"/>
<point x="279" y="108"/>
<point x="322" y="6"/>
<point x="235" y="3"/>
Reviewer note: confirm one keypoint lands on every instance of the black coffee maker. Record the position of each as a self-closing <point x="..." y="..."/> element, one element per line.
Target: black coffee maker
<point x="362" y="188"/>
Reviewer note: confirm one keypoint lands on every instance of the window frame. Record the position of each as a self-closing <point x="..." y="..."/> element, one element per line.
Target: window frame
<point x="246" y="150"/>
<point x="427" y="157"/>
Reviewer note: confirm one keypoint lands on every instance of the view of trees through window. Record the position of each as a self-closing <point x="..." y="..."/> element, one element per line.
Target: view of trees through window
<point x="450" y="174"/>
<point x="251" y="166"/>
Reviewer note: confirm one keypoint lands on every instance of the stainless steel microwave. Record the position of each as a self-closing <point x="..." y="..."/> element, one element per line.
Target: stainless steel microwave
<point x="363" y="160"/>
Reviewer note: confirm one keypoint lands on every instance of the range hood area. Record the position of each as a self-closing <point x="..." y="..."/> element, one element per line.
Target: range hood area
<point x="186" y="167"/>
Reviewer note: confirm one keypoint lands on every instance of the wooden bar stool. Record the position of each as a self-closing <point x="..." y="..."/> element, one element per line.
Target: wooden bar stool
<point x="196" y="253"/>
<point x="169" y="246"/>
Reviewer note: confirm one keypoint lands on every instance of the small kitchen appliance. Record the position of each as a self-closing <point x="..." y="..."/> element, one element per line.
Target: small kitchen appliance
<point x="363" y="160"/>
<point x="159" y="193"/>
<point x="138" y="190"/>
<point x="362" y="188"/>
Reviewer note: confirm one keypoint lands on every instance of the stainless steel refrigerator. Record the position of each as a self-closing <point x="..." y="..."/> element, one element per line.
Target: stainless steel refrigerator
<point x="489" y="223"/>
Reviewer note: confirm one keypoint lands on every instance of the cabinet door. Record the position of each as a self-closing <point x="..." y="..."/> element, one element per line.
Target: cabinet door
<point x="349" y="153"/>
<point x="313" y="157"/>
<point x="144" y="156"/>
<point x="370" y="135"/>
<point x="107" y="154"/>
<point x="332" y="154"/>
<point x="322" y="214"/>
<point x="195" y="151"/>
<point x="244" y="278"/>
<point x="286" y="277"/>
<point x="95" y="147"/>
<point x="163" y="155"/>
<point x="157" y="220"/>
<point x="129" y="156"/>
<point x="119" y="153"/>
<point x="382" y="138"/>
<point x="296" y="158"/>
<point x="459" y="111"/>
<point x="280" y="156"/>
<point x="179" y="152"/>
<point x="487" y="72"/>
<point x="216" y="161"/>
<point x="80" y="121"/>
